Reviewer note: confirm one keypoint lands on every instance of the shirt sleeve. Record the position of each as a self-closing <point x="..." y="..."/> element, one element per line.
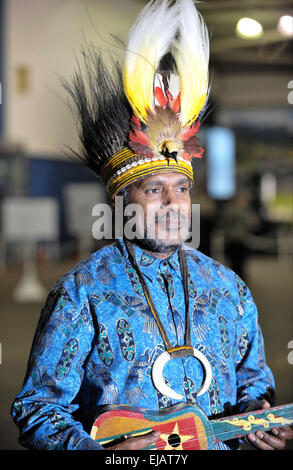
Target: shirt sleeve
<point x="44" y="409"/>
<point x="255" y="380"/>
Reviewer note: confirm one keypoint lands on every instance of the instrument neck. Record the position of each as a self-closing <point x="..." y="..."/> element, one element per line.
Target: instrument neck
<point x="240" y="425"/>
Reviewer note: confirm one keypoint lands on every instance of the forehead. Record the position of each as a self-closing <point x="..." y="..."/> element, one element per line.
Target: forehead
<point x="167" y="178"/>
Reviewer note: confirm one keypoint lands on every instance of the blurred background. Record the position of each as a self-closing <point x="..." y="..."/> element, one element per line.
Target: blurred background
<point x="243" y="183"/>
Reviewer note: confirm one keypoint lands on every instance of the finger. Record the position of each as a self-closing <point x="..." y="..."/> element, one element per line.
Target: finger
<point x="137" y="443"/>
<point x="265" y="405"/>
<point x="280" y="433"/>
<point x="271" y="440"/>
<point x="287" y="432"/>
<point x="257" y="442"/>
<point x="258" y="405"/>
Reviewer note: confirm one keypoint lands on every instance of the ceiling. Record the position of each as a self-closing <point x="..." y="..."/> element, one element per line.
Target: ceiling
<point x="272" y="50"/>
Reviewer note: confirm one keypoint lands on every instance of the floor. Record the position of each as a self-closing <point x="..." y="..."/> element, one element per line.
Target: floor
<point x="269" y="279"/>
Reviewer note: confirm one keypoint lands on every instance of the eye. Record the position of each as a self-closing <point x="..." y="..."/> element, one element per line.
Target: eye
<point x="183" y="189"/>
<point x="152" y="191"/>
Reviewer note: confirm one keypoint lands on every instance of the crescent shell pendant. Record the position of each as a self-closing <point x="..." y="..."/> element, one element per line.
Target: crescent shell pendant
<point x="164" y="389"/>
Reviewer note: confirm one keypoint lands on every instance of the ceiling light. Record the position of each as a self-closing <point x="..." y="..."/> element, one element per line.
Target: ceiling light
<point x="285" y="25"/>
<point x="248" y="28"/>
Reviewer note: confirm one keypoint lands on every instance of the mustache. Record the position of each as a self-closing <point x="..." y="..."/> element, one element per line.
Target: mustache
<point x="170" y="215"/>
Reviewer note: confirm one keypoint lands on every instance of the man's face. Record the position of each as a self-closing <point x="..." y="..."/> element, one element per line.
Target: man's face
<point x="164" y="222"/>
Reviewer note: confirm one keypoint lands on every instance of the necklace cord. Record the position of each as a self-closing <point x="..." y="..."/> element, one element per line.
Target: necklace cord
<point x="184" y="274"/>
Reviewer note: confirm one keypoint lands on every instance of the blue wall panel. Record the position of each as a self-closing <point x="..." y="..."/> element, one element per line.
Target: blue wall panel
<point x="48" y="177"/>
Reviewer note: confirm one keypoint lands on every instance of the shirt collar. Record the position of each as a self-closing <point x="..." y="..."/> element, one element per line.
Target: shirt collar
<point x="150" y="264"/>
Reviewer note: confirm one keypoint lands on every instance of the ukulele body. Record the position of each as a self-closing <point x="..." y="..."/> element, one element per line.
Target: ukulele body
<point x="182" y="427"/>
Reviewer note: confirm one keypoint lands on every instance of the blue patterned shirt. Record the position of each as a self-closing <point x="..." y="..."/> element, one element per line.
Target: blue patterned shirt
<point x="96" y="342"/>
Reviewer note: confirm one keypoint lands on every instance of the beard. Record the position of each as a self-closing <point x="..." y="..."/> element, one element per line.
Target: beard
<point x="156" y="246"/>
<point x="151" y="239"/>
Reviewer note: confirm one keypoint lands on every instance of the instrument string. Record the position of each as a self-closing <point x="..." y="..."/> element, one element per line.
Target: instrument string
<point x="236" y="430"/>
<point x="230" y="434"/>
<point x="227" y="434"/>
<point x="202" y="436"/>
<point x="221" y="436"/>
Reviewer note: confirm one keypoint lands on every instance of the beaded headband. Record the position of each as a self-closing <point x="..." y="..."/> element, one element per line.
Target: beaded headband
<point x="124" y="168"/>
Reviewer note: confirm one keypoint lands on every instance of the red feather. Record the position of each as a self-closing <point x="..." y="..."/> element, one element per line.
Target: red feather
<point x="190" y="131"/>
<point x="139" y="137"/>
<point x="136" y="134"/>
<point x="189" y="156"/>
<point x="136" y="121"/>
<point x="173" y="104"/>
<point x="160" y="97"/>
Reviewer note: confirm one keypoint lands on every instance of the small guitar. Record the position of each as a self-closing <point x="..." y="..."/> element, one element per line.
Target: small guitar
<point x="183" y="426"/>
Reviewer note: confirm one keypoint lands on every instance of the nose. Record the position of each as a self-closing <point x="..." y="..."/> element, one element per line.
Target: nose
<point x="169" y="199"/>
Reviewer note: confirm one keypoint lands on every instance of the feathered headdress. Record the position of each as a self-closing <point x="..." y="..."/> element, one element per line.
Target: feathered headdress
<point x="144" y="118"/>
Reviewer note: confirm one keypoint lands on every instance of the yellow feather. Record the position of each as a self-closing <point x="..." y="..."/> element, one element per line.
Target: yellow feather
<point x="138" y="85"/>
<point x="194" y="92"/>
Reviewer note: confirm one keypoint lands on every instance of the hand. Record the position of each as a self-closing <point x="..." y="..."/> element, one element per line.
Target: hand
<point x="273" y="440"/>
<point x="136" y="443"/>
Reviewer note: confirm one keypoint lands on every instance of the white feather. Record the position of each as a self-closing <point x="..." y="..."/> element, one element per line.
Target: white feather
<point x="191" y="53"/>
<point x="149" y="40"/>
<point x="158" y="82"/>
<point x="174" y="85"/>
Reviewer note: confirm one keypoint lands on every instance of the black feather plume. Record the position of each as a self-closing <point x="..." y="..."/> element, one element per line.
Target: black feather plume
<point x="101" y="108"/>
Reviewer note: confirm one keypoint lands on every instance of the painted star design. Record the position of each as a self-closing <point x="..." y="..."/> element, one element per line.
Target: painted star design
<point x="183" y="438"/>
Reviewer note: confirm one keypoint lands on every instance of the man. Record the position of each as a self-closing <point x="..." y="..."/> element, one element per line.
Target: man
<point x="106" y="322"/>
